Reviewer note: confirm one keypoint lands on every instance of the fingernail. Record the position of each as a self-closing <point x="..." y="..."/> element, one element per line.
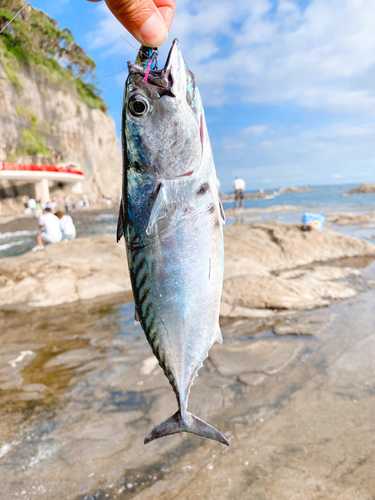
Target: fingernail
<point x="154" y="31"/>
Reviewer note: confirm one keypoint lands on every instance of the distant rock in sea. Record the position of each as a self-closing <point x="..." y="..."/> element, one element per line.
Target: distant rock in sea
<point x="367" y="188"/>
<point x="293" y="189"/>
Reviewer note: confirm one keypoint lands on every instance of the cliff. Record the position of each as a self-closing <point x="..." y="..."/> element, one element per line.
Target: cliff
<point x="50" y="114"/>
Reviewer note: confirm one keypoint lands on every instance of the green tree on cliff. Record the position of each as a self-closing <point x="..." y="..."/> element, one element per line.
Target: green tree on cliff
<point x="34" y="38"/>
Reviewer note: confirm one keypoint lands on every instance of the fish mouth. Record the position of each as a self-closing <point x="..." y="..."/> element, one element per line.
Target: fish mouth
<point x="187" y="174"/>
<point x="160" y="80"/>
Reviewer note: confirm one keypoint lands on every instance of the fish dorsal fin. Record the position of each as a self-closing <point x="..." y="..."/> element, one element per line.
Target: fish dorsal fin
<point x="120" y="224"/>
<point x="136" y="317"/>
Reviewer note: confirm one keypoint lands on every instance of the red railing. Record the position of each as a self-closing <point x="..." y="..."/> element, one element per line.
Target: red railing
<point x="33" y="167"/>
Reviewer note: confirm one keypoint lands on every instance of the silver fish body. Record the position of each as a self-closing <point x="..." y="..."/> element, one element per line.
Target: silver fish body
<point x="172" y="218"/>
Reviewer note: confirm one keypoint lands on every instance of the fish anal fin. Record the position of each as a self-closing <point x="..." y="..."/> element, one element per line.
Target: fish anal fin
<point x="120" y="224"/>
<point x="222" y="213"/>
<point x="136" y="317"/>
<point x="218" y="336"/>
<point x="192" y="424"/>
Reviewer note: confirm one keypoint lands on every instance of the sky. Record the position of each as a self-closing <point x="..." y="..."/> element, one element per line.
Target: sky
<point x="288" y="86"/>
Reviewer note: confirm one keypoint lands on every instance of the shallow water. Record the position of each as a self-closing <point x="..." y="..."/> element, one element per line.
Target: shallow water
<point x="80" y="389"/>
<point x="13" y="243"/>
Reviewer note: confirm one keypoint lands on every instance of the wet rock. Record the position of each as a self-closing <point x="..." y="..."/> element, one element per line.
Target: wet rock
<point x="272" y="292"/>
<point x="71" y="358"/>
<point x="34" y="387"/>
<point x="265" y="356"/>
<point x="301" y="326"/>
<point x="252" y="379"/>
<point x="85" y="268"/>
<point x="231" y="311"/>
<point x="351" y="219"/>
<point x="243" y="328"/>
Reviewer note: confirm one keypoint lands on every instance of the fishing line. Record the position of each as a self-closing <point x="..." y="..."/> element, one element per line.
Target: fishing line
<point x="19" y="12"/>
<point x="111" y="74"/>
<point x="131" y="45"/>
<point x="149" y="62"/>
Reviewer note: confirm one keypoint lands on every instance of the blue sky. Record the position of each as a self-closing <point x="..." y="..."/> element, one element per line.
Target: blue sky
<point x="288" y="86"/>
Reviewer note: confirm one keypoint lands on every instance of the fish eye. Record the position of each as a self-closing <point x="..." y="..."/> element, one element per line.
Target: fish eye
<point x="139" y="105"/>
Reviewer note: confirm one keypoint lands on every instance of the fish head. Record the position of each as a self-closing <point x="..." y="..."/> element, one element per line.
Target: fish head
<point x="163" y="120"/>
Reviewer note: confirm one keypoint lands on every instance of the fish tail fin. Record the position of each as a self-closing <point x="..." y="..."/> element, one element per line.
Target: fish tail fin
<point x="176" y="423"/>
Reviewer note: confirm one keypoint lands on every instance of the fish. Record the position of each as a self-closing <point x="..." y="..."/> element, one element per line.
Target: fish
<point x="172" y="219"/>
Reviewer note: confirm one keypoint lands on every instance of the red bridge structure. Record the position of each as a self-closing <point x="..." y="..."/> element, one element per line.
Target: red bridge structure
<point x="43" y="176"/>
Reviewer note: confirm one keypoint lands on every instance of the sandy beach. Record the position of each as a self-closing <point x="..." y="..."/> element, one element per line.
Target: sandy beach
<point x="291" y="387"/>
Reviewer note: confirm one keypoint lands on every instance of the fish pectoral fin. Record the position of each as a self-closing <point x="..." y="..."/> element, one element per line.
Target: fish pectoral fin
<point x="159" y="210"/>
<point x="120" y="224"/>
<point x="136" y="317"/>
<point x="176" y="423"/>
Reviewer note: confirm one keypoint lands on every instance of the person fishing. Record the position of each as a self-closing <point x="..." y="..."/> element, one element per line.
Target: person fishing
<point x="67" y="227"/>
<point x="49" y="229"/>
<point x="147" y="20"/>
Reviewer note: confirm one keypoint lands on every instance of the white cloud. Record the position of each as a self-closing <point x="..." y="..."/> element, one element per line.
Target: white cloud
<point x="255" y="130"/>
<point x="322" y="56"/>
<point x="319" y="57"/>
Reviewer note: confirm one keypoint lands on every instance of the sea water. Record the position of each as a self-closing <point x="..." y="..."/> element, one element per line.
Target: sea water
<point x="19" y="242"/>
<point x="332" y="196"/>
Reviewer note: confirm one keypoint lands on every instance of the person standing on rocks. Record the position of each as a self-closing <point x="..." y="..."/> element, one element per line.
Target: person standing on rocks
<point x="32" y="204"/>
<point x="66" y="204"/>
<point x="49" y="229"/>
<point x="239" y="189"/>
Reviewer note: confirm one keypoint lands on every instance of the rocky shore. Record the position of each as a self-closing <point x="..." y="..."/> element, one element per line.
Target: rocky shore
<point x="80" y="387"/>
<point x="270" y="268"/>
<point x="348" y="219"/>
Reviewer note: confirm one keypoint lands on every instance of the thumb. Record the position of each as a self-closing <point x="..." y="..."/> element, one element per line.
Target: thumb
<point x="142" y="19"/>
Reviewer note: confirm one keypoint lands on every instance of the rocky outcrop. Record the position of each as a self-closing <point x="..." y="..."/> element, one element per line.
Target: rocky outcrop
<point x="293" y="189"/>
<point x="362" y="189"/>
<point x="261" y="262"/>
<point x="69" y="128"/>
<point x="351" y="219"/>
<point x="269" y="267"/>
<point x="80" y="269"/>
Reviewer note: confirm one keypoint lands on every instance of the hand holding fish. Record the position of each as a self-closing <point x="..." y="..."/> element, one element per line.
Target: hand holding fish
<point x="147" y="20"/>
